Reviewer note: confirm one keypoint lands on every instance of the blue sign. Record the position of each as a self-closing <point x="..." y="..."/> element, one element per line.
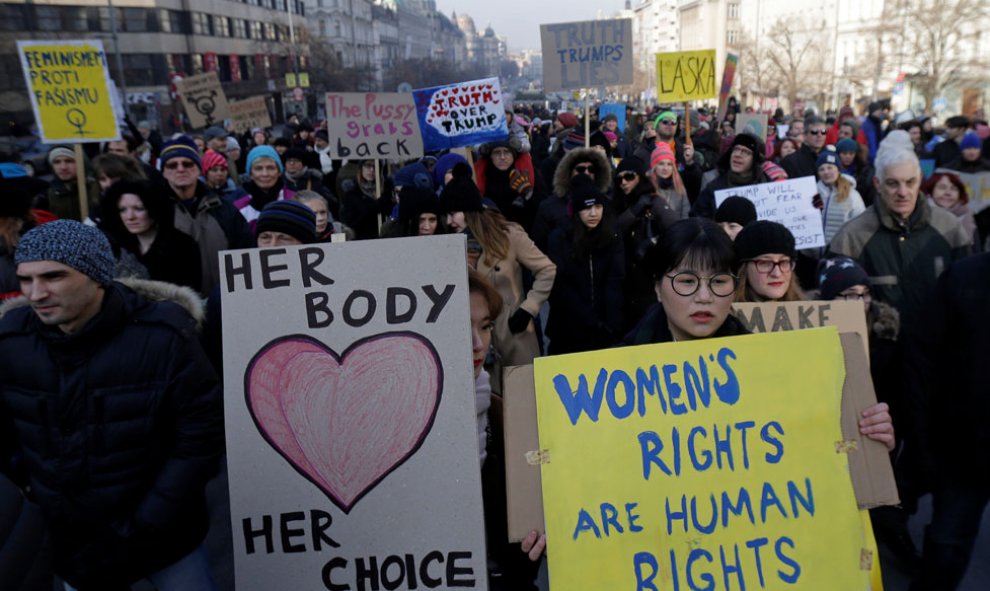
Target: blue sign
<point x="462" y="114"/>
<point x="616" y="109"/>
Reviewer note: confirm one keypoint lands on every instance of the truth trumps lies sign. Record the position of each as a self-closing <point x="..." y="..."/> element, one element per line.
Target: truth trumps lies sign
<point x="702" y="464"/>
<point x="352" y="447"/>
<point x="587" y="54"/>
<point x="462" y="114"/>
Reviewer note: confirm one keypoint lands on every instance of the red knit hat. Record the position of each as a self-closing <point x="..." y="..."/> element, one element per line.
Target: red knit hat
<point x="567" y="119"/>
<point x="212" y="159"/>
<point x="661" y="153"/>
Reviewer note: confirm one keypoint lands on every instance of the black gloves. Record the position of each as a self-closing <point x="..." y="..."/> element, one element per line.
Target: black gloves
<point x="519" y="321"/>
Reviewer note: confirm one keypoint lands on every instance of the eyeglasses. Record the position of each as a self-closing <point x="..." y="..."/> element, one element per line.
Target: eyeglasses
<point x="627" y="176"/>
<point x="742" y="150"/>
<point x="584" y="169"/>
<point x="668" y="122"/>
<point x="817" y="131"/>
<point x="853" y="296"/>
<point x="173" y="164"/>
<point x="687" y="283"/>
<point x="766" y="266"/>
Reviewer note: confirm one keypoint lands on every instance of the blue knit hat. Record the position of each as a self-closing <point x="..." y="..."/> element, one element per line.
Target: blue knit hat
<point x="835" y="275"/>
<point x="846" y="145"/>
<point x="82" y="247"/>
<point x="183" y="147"/>
<point x="263" y="152"/>
<point x="828" y="156"/>
<point x="970" y="140"/>
<point x="289" y="217"/>
<point x="413" y="175"/>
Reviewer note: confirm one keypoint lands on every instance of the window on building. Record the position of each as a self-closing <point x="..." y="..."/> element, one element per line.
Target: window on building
<point x="47" y="18"/>
<point x="255" y="30"/>
<point x="323" y="27"/>
<point x="733" y="10"/>
<point x="247" y="68"/>
<point x="269" y="32"/>
<point x="138" y="69"/>
<point x="732" y="37"/>
<point x="237" y="28"/>
<point x="74" y="19"/>
<point x="202" y="23"/>
<point x="135" y="20"/>
<point x="13" y="17"/>
<point x="221" y="26"/>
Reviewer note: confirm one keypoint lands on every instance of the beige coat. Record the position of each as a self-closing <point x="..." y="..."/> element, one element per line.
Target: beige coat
<point x="506" y="276"/>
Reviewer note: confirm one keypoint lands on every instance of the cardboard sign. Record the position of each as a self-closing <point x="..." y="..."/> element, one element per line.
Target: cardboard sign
<point x="686" y="76"/>
<point x="379" y="125"/>
<point x="204" y="99"/>
<point x="352" y="449"/>
<point x="587" y="54"/>
<point x="755" y="124"/>
<point x="617" y="109"/>
<point x="680" y="463"/>
<point x="249" y="113"/>
<point x="71" y="91"/>
<point x="977" y="187"/>
<point x="778" y="316"/>
<point x="785" y="202"/>
<point x="461" y="114"/>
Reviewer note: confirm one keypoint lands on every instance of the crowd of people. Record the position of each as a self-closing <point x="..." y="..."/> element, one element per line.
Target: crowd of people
<point x="574" y="243"/>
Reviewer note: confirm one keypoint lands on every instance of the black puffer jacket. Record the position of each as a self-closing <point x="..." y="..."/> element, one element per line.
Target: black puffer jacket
<point x="119" y="426"/>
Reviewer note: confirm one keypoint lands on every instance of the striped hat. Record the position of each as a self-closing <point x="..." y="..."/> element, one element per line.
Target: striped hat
<point x="573" y="140"/>
<point x="289" y="217"/>
<point x="660" y="153"/>
<point x="211" y="159"/>
<point x="180" y="147"/>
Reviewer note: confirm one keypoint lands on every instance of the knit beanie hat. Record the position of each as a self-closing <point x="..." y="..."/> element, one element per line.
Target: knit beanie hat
<point x="838" y="274"/>
<point x="660" y="153"/>
<point x="82" y="247"/>
<point x="214" y="132"/>
<point x="233" y="144"/>
<point x="413" y="175"/>
<point x="611" y="117"/>
<point x="321" y="134"/>
<point x="736" y="210"/>
<point x="957" y="121"/>
<point x="414" y="201"/>
<point x="610" y="136"/>
<point x="211" y="159"/>
<point x="598" y="139"/>
<point x="846" y="145"/>
<point x="753" y="143"/>
<point x="763" y="237"/>
<point x="445" y="163"/>
<point x="827" y="156"/>
<point x="289" y="217"/>
<point x="970" y="140"/>
<point x="263" y="152"/>
<point x="568" y="119"/>
<point x="584" y="193"/>
<point x="632" y="163"/>
<point x="294" y="153"/>
<point x="665" y="116"/>
<point x="461" y="194"/>
<point x="60" y="151"/>
<point x="573" y="140"/>
<point x="183" y="147"/>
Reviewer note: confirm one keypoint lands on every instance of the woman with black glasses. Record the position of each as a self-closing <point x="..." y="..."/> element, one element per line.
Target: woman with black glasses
<point x="767" y="259"/>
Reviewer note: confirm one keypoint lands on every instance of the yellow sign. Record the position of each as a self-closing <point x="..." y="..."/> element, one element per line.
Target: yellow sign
<point x="686" y="76"/>
<point x="70" y="90"/>
<point x="304" y="79"/>
<point x="705" y="464"/>
<point x="290" y="80"/>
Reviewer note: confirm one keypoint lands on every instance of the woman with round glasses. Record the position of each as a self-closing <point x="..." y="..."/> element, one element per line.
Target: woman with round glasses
<point x="767" y="259"/>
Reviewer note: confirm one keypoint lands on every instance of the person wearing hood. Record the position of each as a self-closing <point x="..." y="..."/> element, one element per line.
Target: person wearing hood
<point x="873" y="129"/>
<point x="62" y="197"/>
<point x="420" y="214"/>
<point x="443" y="169"/>
<point x="566" y="136"/>
<point x="553" y="211"/>
<point x="507" y="178"/>
<point x="265" y="186"/>
<point x="740" y="166"/>
<point x="840" y="200"/>
<point x="586" y="301"/>
<point x="970" y="159"/>
<point x="300" y="177"/>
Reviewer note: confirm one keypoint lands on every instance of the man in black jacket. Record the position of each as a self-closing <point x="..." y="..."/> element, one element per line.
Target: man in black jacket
<point x="114" y="413"/>
<point x="804" y="161"/>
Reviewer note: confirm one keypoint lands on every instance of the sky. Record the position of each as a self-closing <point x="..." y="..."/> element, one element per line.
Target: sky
<point x="520" y="20"/>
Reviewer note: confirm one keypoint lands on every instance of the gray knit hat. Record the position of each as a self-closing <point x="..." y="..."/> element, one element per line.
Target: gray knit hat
<point x="82" y="247"/>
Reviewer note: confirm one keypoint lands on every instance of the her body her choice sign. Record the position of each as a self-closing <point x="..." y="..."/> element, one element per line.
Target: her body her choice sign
<point x="704" y="464"/>
<point x="787" y="202"/>
<point x="352" y="447"/>
<point x="461" y="114"/>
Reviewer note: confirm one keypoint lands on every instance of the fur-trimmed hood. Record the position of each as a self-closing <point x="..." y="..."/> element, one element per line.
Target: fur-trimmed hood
<point x="885" y="321"/>
<point x="153" y="291"/>
<point x="562" y="177"/>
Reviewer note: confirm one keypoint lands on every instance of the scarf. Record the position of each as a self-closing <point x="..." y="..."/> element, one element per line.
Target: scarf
<point x="740" y="180"/>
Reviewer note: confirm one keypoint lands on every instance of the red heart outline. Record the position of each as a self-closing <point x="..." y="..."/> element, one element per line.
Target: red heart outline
<point x="260" y="362"/>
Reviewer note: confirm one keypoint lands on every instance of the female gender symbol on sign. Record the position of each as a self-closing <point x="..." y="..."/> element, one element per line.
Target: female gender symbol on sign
<point x="77" y="118"/>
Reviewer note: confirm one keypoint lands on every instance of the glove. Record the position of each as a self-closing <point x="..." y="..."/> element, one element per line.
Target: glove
<point x="817" y="202"/>
<point x="519" y="321"/>
<point x="642" y="205"/>
<point x="519" y="182"/>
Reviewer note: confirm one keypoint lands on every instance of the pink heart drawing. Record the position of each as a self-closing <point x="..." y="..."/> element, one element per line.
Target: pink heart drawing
<point x="345" y="422"/>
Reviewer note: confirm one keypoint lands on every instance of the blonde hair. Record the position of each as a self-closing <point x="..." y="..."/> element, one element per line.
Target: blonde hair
<point x="746" y="293"/>
<point x="491" y="229"/>
<point x="842" y="188"/>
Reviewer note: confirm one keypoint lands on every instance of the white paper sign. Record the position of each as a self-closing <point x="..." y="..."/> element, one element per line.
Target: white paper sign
<point x="352" y="446"/>
<point x="786" y="202"/>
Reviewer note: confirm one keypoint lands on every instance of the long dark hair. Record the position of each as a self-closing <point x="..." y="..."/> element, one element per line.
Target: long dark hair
<point x="159" y="208"/>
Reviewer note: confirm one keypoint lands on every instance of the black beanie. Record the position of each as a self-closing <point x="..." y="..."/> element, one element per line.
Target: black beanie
<point x="414" y="201"/>
<point x="632" y="163"/>
<point x="746" y="140"/>
<point x="297" y="153"/>
<point x="764" y="237"/>
<point x="838" y="274"/>
<point x="584" y="193"/>
<point x="289" y="217"/>
<point x="461" y="194"/>
<point x="737" y="210"/>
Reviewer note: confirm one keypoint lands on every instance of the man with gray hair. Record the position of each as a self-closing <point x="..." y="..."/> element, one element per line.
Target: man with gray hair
<point x="112" y="410"/>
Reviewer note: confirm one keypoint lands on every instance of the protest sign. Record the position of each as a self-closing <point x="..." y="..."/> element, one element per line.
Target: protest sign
<point x="728" y="74"/>
<point x="777" y="316"/>
<point x="676" y="465"/>
<point x="204" y="99"/>
<point x="70" y="90"/>
<point x="249" y="113"/>
<point x="587" y="54"/>
<point x="787" y="202"/>
<point x="352" y="451"/>
<point x="378" y="125"/>
<point x="977" y="188"/>
<point x="617" y="109"/>
<point x="461" y="114"/>
<point x="686" y="76"/>
<point x="754" y="124"/>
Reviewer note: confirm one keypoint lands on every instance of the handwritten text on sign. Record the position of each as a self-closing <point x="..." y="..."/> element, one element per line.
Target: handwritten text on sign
<point x="70" y="91"/>
<point x="587" y="54"/>
<point x="461" y="114"/>
<point x="249" y="113"/>
<point x="373" y="125"/>
<point x="787" y="202"/>
<point x="699" y="465"/>
<point x="686" y="76"/>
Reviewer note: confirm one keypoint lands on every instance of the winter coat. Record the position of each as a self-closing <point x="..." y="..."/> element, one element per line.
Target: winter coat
<point x="257" y="198"/>
<point x="120" y="427"/>
<point x="945" y="152"/>
<point x="24" y="542"/>
<point x="9" y="285"/>
<point x="62" y="199"/>
<point x="361" y="212"/>
<point x="903" y="259"/>
<point x="312" y="180"/>
<point x="836" y="213"/>
<point x="863" y="173"/>
<point x="506" y="275"/>
<point x="804" y="162"/>
<point x="653" y="328"/>
<point x="173" y="258"/>
<point x="554" y="211"/>
<point x="215" y="225"/>
<point x="586" y="301"/>
<point x="494" y="185"/>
